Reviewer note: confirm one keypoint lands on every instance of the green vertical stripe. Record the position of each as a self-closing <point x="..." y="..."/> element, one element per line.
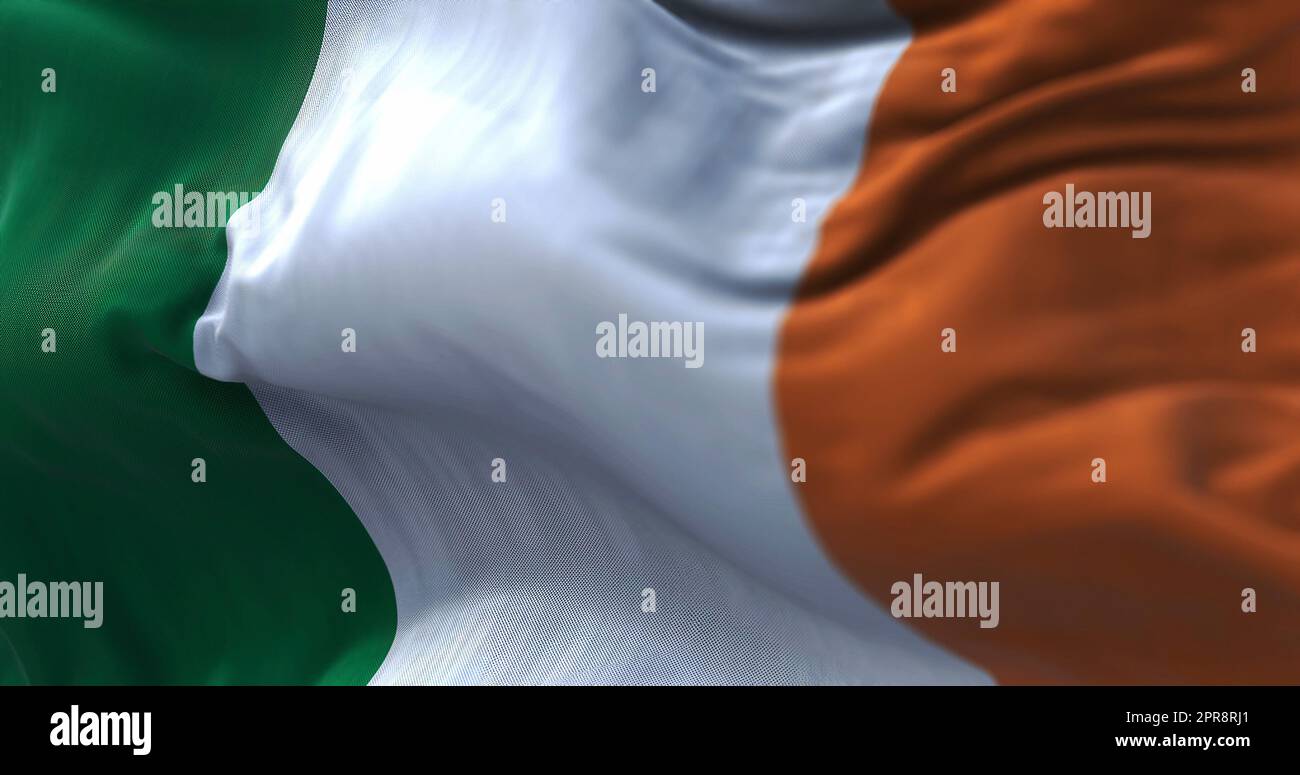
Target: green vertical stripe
<point x="234" y="580"/>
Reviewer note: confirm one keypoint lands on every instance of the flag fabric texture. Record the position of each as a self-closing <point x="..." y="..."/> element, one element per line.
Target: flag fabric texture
<point x="583" y="341"/>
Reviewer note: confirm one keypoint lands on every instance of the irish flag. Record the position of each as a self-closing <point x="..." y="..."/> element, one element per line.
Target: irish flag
<point x="635" y="341"/>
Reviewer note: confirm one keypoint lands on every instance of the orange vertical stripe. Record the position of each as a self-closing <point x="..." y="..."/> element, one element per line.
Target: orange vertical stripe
<point x="1072" y="344"/>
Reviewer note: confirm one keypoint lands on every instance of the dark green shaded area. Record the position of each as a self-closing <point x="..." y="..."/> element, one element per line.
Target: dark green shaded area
<point x="236" y="580"/>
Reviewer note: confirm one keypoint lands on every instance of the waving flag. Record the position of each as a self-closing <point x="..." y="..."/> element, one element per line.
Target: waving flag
<point x="649" y="342"/>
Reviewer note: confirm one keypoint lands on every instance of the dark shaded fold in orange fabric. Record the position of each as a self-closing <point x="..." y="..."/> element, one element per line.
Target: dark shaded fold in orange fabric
<point x="1072" y="344"/>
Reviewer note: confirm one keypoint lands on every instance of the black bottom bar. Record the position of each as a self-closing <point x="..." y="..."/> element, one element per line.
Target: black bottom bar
<point x="1001" y="724"/>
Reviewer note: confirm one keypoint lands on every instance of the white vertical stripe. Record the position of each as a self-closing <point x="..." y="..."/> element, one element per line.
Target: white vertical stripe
<point x="477" y="339"/>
